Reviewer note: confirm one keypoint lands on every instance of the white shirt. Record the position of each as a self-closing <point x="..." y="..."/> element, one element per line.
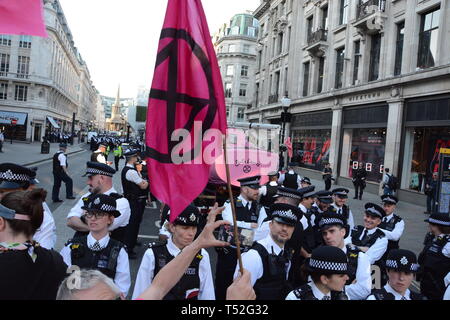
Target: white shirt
<point x="133" y="175"/>
<point x="122" y="206"/>
<point x="227" y="214"/>
<point x="2" y="137"/>
<point x="315" y="291"/>
<point x="397" y="295"/>
<point x="62" y="158"/>
<point x="304" y="220"/>
<point x="263" y="189"/>
<point x="101" y="157"/>
<point x="446" y="248"/>
<point x="395" y="234"/>
<point x="447" y="284"/>
<point x="283" y="176"/>
<point x="251" y="260"/>
<point x="377" y="250"/>
<point x="146" y="273"/>
<point x="46" y="234"/>
<point x="351" y="221"/>
<point x="386" y="179"/>
<point x="122" y="278"/>
<point x="361" y="288"/>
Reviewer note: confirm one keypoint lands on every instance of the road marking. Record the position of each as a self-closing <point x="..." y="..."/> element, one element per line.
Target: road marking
<point x="148" y="237"/>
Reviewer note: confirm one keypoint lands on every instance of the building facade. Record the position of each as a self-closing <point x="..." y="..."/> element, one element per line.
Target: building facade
<point x="44" y="82"/>
<point x="235" y="45"/>
<point x="369" y="83"/>
<point x="137" y="113"/>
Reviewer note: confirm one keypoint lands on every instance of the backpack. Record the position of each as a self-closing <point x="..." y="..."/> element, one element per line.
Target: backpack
<point x="392" y="182"/>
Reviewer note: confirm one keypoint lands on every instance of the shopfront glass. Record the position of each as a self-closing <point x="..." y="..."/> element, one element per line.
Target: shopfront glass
<point x="311" y="148"/>
<point x="367" y="147"/>
<point x="421" y="156"/>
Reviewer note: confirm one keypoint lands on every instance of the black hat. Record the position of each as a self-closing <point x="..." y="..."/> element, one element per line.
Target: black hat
<point x="324" y="196"/>
<point x="251" y="182"/>
<point x="374" y="210"/>
<point x="293" y="164"/>
<point x="307" y="191"/>
<point x="14" y="176"/>
<point x="440" y="219"/>
<point x="101" y="202"/>
<point x="131" y="153"/>
<point x="306" y="180"/>
<point x="341" y="192"/>
<point x="63" y="145"/>
<point x="328" y="260"/>
<point x="288" y="193"/>
<point x="188" y="217"/>
<point x="285" y="213"/>
<point x="94" y="168"/>
<point x="330" y="218"/>
<point x="273" y="174"/>
<point x="402" y="260"/>
<point x="33" y="179"/>
<point x="389" y="199"/>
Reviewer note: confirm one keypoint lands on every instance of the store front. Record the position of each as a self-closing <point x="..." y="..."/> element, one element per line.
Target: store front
<point x="311" y="139"/>
<point x="427" y="129"/>
<point x="14" y="125"/>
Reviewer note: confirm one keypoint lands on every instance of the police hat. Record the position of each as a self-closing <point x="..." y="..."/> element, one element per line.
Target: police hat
<point x="188" y="217"/>
<point x="402" y="260"/>
<point x="33" y="179"/>
<point x="293" y="164"/>
<point x="102" y="203"/>
<point x="374" y="210"/>
<point x="331" y="218"/>
<point x="288" y="193"/>
<point x="285" y="213"/>
<point x="14" y="176"/>
<point x="131" y="153"/>
<point x="63" y="145"/>
<point x="341" y="192"/>
<point x="95" y="168"/>
<point x="328" y="260"/>
<point x="251" y="182"/>
<point x="273" y="174"/>
<point x="324" y="196"/>
<point x="389" y="199"/>
<point x="440" y="219"/>
<point x="306" y="180"/>
<point x="307" y="192"/>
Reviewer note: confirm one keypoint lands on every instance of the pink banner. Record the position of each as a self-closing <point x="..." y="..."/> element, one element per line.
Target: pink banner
<point x="22" y="17"/>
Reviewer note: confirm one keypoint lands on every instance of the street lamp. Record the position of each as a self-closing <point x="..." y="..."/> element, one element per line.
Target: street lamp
<point x="285" y="117"/>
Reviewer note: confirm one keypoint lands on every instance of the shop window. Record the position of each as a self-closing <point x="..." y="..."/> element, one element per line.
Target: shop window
<point x="311" y="148"/>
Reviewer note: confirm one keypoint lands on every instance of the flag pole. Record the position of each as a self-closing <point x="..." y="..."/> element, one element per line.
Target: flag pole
<point x="233" y="208"/>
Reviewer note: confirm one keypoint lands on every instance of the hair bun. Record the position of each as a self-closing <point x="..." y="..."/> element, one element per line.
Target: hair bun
<point x="36" y="195"/>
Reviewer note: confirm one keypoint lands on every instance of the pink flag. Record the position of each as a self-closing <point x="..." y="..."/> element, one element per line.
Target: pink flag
<point x="288" y="144"/>
<point x="187" y="93"/>
<point x="22" y="17"/>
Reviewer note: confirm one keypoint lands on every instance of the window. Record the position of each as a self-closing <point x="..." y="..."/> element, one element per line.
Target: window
<point x="232" y="48"/>
<point x="244" y="71"/>
<point x="230" y="70"/>
<point x="289" y="37"/>
<point x="277" y="82"/>
<point x="399" y="48"/>
<point x="280" y="43"/>
<point x="235" y="30"/>
<point x="357" y="56"/>
<point x="21" y="93"/>
<point x="5" y="40"/>
<point x="305" y="78"/>
<point x="25" y="42"/>
<point x="3" y="91"/>
<point x="321" y="70"/>
<point x="257" y="95"/>
<point x="4" y="64"/>
<point x="241" y="114"/>
<point x="251" y="32"/>
<point x="340" y="53"/>
<point x="343" y="14"/>
<point x="23" y="67"/>
<point x="325" y="18"/>
<point x="309" y="27"/>
<point x="228" y="112"/>
<point x="246" y="48"/>
<point x="374" y="67"/>
<point x="228" y="90"/>
<point x="260" y="54"/>
<point x="243" y="90"/>
<point x="428" y="39"/>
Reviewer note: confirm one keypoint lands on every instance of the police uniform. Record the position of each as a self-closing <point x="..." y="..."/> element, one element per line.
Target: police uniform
<point x="118" y="227"/>
<point x="269" y="264"/>
<point x="324" y="260"/>
<point x="308" y="235"/>
<point x="358" y="261"/>
<point x="98" y="155"/>
<point x="375" y="238"/>
<point x="434" y="260"/>
<point x="197" y="281"/>
<point x="59" y="175"/>
<point x="290" y="179"/>
<point x="268" y="191"/>
<point x="106" y="255"/>
<point x="447" y="285"/>
<point x="246" y="214"/>
<point x="345" y="209"/>
<point x="306" y="180"/>
<point x="401" y="261"/>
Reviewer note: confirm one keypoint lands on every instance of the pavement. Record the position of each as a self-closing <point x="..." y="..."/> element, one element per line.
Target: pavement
<point x="28" y="154"/>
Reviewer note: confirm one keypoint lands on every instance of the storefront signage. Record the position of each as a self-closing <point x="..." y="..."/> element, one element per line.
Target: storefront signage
<point x="9" y="117"/>
<point x="445" y="151"/>
<point x="369" y="167"/>
<point x="444" y="181"/>
<point x="366" y="96"/>
<point x="382" y="168"/>
<point x="355" y="165"/>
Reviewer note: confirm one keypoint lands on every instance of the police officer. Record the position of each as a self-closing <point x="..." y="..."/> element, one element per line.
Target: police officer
<point x="97" y="250"/>
<point x="60" y="173"/>
<point x="100" y="181"/>
<point x="269" y="259"/>
<point x="118" y="154"/>
<point x="306" y="205"/>
<point x="133" y="187"/>
<point x="269" y="190"/>
<point x="322" y="204"/>
<point x="290" y="179"/>
<point x="197" y="282"/>
<point x="334" y="232"/>
<point x="401" y="266"/>
<point x="99" y="154"/>
<point x="359" y="181"/>
<point x="249" y="215"/>
<point x="328" y="269"/>
<point x="340" y="196"/>
<point x="369" y="238"/>
<point x="434" y="260"/>
<point x="305" y="182"/>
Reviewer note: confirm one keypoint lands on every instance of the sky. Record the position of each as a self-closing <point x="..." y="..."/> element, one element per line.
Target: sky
<point x="119" y="39"/>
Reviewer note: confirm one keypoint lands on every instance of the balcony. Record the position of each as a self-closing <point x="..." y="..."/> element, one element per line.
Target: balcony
<point x="370" y="16"/>
<point x="273" y="98"/>
<point x="317" y="42"/>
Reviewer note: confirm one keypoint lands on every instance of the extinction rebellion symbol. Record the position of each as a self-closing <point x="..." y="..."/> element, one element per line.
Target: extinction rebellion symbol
<point x="176" y="100"/>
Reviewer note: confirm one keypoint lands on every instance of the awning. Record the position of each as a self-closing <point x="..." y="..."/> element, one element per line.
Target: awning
<point x="53" y="122"/>
<point x="6" y="117"/>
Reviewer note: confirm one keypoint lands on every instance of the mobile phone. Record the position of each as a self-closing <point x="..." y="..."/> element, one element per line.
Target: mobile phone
<point x="226" y="233"/>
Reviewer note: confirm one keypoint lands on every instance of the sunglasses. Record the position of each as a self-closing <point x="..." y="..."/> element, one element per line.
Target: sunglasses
<point x="96" y="214"/>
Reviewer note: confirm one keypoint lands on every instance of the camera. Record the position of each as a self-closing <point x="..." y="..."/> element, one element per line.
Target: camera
<point x="226" y="233"/>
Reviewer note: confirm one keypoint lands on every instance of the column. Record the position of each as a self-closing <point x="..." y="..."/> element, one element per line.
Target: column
<point x="336" y="129"/>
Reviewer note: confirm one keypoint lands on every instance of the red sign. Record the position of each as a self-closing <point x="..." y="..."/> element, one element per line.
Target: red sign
<point x="14" y="121"/>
